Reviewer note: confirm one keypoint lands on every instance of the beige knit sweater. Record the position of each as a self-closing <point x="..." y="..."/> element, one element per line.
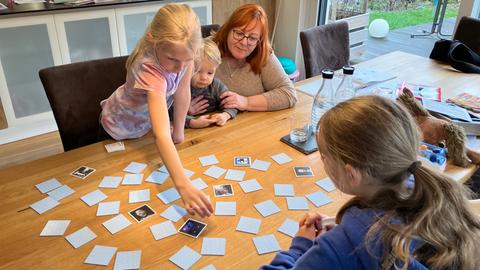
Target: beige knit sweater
<point x="272" y="82"/>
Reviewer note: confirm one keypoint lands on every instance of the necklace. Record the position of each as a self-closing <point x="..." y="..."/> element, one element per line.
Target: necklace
<point x="231" y="70"/>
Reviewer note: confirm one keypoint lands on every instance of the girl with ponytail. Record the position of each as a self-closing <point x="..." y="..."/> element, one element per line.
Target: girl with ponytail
<point x="402" y="215"/>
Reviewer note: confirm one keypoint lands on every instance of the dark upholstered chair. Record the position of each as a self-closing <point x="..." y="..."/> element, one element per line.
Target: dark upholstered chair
<point x="75" y="91"/>
<point x="468" y="32"/>
<point x="325" y="46"/>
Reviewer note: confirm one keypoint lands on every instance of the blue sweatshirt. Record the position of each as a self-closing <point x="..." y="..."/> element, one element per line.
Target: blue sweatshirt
<point x="340" y="248"/>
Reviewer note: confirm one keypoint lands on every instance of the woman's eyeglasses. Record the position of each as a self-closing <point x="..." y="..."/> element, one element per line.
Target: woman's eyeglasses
<point x="239" y="36"/>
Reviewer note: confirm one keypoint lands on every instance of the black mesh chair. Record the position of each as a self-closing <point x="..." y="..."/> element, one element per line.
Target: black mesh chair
<point x="325" y="46"/>
<point x="468" y="32"/>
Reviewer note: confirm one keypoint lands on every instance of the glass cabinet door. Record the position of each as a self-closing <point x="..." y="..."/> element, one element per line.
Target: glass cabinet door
<point x="26" y="46"/>
<point x="87" y="35"/>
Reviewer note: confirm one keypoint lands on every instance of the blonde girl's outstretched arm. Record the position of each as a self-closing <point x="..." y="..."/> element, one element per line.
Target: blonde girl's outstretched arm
<point x="194" y="200"/>
<point x="181" y="103"/>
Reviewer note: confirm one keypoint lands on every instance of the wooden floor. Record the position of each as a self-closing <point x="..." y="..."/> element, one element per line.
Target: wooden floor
<point x="397" y="40"/>
<point x="400" y="40"/>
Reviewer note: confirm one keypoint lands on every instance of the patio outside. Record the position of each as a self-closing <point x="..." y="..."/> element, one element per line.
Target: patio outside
<point x="405" y="18"/>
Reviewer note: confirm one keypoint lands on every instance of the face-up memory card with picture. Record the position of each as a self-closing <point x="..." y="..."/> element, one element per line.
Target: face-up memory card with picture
<point x="142" y="213"/>
<point x="82" y="172"/>
<point x="222" y="190"/>
<point x="114" y="147"/>
<point x="242" y="161"/>
<point x="303" y="171"/>
<point x="192" y="228"/>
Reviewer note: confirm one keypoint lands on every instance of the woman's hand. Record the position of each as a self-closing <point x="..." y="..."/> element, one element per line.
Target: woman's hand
<point x="232" y="100"/>
<point x="221" y="118"/>
<point x="198" y="105"/>
<point x="202" y="121"/>
<point x="195" y="201"/>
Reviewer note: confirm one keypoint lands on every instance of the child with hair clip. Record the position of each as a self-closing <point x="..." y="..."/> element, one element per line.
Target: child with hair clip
<point x="204" y="86"/>
<point x="369" y="148"/>
<point x="158" y="73"/>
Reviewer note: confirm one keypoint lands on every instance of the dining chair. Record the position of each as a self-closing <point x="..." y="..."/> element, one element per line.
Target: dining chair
<point x="468" y="32"/>
<point x="75" y="91"/>
<point x="325" y="46"/>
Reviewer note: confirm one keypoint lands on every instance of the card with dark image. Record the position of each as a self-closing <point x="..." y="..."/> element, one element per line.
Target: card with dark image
<point x="142" y="213"/>
<point x="303" y="171"/>
<point x="192" y="228"/>
<point x="82" y="172"/>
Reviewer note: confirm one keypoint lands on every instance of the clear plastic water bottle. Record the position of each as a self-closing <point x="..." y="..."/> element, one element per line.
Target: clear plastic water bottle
<point x="324" y="99"/>
<point x="345" y="89"/>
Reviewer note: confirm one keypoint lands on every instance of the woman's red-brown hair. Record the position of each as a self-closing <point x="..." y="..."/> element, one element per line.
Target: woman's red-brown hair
<point x="240" y="18"/>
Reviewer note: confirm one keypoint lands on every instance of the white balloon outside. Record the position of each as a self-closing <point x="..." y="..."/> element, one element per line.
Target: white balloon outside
<point x="378" y="28"/>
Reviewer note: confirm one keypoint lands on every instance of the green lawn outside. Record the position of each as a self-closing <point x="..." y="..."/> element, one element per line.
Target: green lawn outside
<point x="405" y="18"/>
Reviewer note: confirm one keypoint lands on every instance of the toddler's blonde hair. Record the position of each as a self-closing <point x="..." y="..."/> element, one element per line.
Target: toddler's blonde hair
<point x="209" y="52"/>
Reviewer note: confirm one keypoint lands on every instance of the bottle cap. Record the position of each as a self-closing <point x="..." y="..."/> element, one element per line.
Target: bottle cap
<point x="348" y="70"/>
<point x="327" y="73"/>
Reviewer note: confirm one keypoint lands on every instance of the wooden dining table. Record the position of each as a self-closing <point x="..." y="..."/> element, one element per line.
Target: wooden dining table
<point x="254" y="134"/>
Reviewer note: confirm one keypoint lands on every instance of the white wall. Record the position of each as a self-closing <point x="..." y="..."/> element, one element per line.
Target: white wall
<point x="293" y="17"/>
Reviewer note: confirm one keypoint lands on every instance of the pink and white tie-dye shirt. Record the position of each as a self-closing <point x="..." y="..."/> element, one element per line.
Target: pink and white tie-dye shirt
<point x="125" y="113"/>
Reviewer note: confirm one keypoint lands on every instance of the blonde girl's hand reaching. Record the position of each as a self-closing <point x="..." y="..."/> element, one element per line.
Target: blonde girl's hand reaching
<point x="195" y="201"/>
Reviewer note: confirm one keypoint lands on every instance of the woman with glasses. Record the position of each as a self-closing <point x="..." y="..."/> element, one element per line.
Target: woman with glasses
<point x="249" y="68"/>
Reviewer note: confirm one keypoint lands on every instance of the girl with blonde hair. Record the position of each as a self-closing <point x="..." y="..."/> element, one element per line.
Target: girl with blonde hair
<point x="402" y="215"/>
<point x="158" y="74"/>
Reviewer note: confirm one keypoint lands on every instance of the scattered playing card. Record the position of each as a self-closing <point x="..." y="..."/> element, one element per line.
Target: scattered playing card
<point x="108" y="208"/>
<point x="289" y="227"/>
<point x="169" y="195"/>
<point x="110" y="182"/>
<point x="192" y="228"/>
<point x="226" y="209"/>
<point x="100" y="255"/>
<point x="81" y="237"/>
<point x="260" y="165"/>
<point x="266" y="244"/>
<point x="281" y="158"/>
<point x="48" y="185"/>
<point x="174" y="213"/>
<point x="250" y="185"/>
<point x="249" y="225"/>
<point x="319" y="199"/>
<point x="222" y="190"/>
<point x="284" y="190"/>
<point x="297" y="203"/>
<point x="208" y="160"/>
<point x="213" y="246"/>
<point x="267" y="208"/>
<point x="61" y="192"/>
<point x="114" y="147"/>
<point x="303" y="171"/>
<point x="185" y="257"/>
<point x="157" y="177"/>
<point x="135" y="167"/>
<point x="93" y="197"/>
<point x="242" y="161"/>
<point x="117" y="223"/>
<point x="142" y="213"/>
<point x="136" y="196"/>
<point x="214" y="172"/>
<point x="199" y="183"/>
<point x="128" y="260"/>
<point x="55" y="228"/>
<point x="132" y="179"/>
<point x="209" y="267"/>
<point x="44" y="205"/>
<point x="326" y="184"/>
<point x="163" y="230"/>
<point x="235" y="175"/>
<point x="82" y="172"/>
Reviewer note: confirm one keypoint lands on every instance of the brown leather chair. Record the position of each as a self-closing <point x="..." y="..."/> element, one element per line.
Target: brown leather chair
<point x="325" y="46"/>
<point x="75" y="91"/>
<point x="468" y="32"/>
